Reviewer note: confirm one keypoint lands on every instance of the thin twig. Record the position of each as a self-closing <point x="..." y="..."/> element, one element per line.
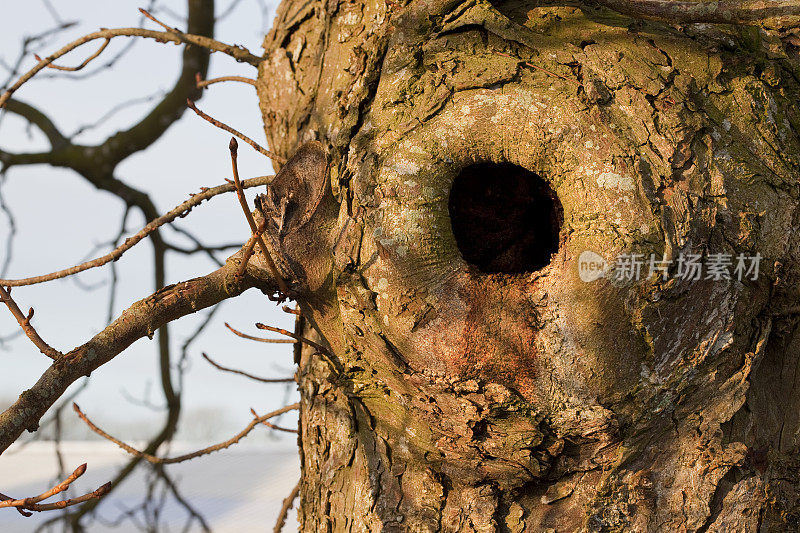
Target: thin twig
<point x="259" y="339"/>
<point x="61" y="487"/>
<point x="287" y="504"/>
<point x="233" y="146"/>
<point x="12" y="226"/>
<point x="228" y="10"/>
<point x="85" y="61"/>
<point x="195" y="514"/>
<point x="245" y="374"/>
<point x="111" y="112"/>
<point x="171" y="460"/>
<point x="245" y="138"/>
<point x="287" y="309"/>
<point x="247" y="253"/>
<point x="237" y="52"/>
<point x="40" y="39"/>
<point x="32" y="504"/>
<point x="53" y="12"/>
<point x="271" y="425"/>
<point x="249" y="247"/>
<point x="179" y="211"/>
<point x="168" y="28"/>
<point x="295" y="336"/>
<point x="25" y="323"/>
<point x="201" y="83"/>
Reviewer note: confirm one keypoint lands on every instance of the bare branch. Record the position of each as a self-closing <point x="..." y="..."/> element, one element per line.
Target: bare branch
<point x="168" y="28"/>
<point x="234" y="148"/>
<point x="245" y="374"/>
<point x="110" y="113"/>
<point x="237" y="52"/>
<point x="109" y="63"/>
<point x="61" y="487"/>
<point x="27" y="42"/>
<point x="12" y="226"/>
<point x="38" y="119"/>
<point x="228" y="10"/>
<point x="25" y="323"/>
<point x="259" y="339"/>
<point x="287" y="504"/>
<point x="142" y="319"/>
<point x="300" y="338"/>
<point x="777" y="13"/>
<point x="181" y="458"/>
<point x="193" y="513"/>
<point x="97" y="163"/>
<point x="250" y="246"/>
<point x="179" y="211"/>
<point x="32" y="504"/>
<point x="221" y="125"/>
<point x="271" y="425"/>
<point x="201" y="83"/>
<point x="83" y="64"/>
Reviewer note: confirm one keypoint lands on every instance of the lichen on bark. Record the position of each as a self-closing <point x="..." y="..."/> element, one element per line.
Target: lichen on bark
<point x="466" y="401"/>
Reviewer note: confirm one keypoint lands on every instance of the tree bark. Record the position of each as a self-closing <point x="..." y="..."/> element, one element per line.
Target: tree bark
<point x="457" y="400"/>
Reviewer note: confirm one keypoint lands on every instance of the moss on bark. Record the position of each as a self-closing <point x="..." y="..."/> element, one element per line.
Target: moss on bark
<point x="508" y="402"/>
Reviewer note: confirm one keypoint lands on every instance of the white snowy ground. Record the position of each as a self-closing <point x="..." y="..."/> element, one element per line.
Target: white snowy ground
<point x="238" y="490"/>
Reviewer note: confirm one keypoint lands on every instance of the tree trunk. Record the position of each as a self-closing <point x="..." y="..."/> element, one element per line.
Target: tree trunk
<point x="469" y="387"/>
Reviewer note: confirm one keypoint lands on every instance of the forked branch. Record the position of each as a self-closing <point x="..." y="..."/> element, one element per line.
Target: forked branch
<point x="141" y="319"/>
<point x="179" y="211"/>
<point x="271" y="425"/>
<point x="25" y="323"/>
<point x="181" y="458"/>
<point x="239" y="53"/>
<point x="233" y="146"/>
<point x="32" y="504"/>
<point x="83" y="63"/>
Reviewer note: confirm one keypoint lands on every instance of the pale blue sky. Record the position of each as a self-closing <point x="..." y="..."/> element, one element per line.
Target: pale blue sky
<point x="60" y="217"/>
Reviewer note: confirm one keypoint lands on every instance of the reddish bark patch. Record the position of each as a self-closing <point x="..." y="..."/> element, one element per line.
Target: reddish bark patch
<point x="500" y="331"/>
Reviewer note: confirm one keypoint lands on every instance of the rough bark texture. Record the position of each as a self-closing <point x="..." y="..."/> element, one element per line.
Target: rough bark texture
<point x="455" y="400"/>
